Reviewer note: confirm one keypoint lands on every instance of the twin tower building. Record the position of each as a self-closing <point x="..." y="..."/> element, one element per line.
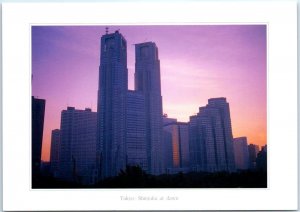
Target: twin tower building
<point x="128" y="127"/>
<point x="129" y="121"/>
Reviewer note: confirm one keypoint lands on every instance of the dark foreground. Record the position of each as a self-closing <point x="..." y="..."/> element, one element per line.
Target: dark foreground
<point x="133" y="177"/>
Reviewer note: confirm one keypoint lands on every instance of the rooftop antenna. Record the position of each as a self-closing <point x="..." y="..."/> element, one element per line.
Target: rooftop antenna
<point x="106" y="30"/>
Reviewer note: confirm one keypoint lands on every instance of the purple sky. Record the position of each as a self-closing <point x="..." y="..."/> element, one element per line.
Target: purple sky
<point x="197" y="63"/>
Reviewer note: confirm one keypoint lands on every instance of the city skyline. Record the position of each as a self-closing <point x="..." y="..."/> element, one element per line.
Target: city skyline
<point x="65" y="65"/>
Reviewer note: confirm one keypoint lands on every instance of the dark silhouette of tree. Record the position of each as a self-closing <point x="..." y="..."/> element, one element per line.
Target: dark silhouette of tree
<point x="135" y="177"/>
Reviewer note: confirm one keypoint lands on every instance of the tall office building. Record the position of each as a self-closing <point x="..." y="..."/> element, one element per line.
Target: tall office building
<point x="129" y="122"/>
<point x="183" y="129"/>
<point x="167" y="146"/>
<point x="175" y="146"/>
<point x="207" y="141"/>
<point x="223" y="107"/>
<point x="264" y="148"/>
<point x="77" y="157"/>
<point x="147" y="81"/>
<point x="54" y="153"/>
<point x="112" y="94"/>
<point x="211" y="138"/>
<point x="253" y="151"/>
<point x="196" y="156"/>
<point x="261" y="159"/>
<point x="136" y="145"/>
<point x="37" y="124"/>
<point x="241" y="153"/>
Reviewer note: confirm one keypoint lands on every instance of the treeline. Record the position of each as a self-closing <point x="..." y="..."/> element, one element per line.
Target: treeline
<point x="135" y="177"/>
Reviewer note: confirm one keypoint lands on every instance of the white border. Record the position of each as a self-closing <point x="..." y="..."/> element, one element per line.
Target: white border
<point x="281" y="18"/>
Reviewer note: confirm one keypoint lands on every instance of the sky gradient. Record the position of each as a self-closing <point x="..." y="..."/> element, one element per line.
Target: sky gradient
<point x="196" y="63"/>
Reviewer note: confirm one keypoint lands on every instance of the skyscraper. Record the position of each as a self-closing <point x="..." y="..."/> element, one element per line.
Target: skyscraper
<point x="261" y="159"/>
<point x="241" y="153"/>
<point x="175" y="146"/>
<point x="253" y="151"/>
<point x="37" y="124"/>
<point x="54" y="154"/>
<point x="167" y="146"/>
<point x="183" y="129"/>
<point x="207" y="138"/>
<point x="77" y="157"/>
<point x="223" y="107"/>
<point x="211" y="138"/>
<point x="112" y="94"/>
<point x="147" y="81"/>
<point x="197" y="146"/>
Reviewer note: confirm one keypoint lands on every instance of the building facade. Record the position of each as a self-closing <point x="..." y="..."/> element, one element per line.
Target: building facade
<point x="175" y="146"/>
<point x="261" y="159"/>
<point x="211" y="147"/>
<point x="136" y="144"/>
<point x="183" y="129"/>
<point x="241" y="153"/>
<point x="253" y="151"/>
<point x="77" y="155"/>
<point x="147" y="81"/>
<point x="37" y="127"/>
<point x="112" y="94"/>
<point x="54" y="153"/>
<point x="167" y="145"/>
<point x="223" y="107"/>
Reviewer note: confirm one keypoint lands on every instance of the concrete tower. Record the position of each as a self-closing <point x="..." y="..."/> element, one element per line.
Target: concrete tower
<point x="147" y="81"/>
<point x="77" y="153"/>
<point x="112" y="94"/>
<point x="211" y="138"/>
<point x="37" y="123"/>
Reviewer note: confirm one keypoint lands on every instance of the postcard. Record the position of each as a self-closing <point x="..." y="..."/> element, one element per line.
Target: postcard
<point x="122" y="106"/>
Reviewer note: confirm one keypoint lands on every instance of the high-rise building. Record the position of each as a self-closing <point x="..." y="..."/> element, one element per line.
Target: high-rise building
<point x="223" y="107"/>
<point x="253" y="151"/>
<point x="176" y="146"/>
<point x="207" y="141"/>
<point x="112" y="94"/>
<point x="77" y="155"/>
<point x="241" y="153"/>
<point x="54" y="153"/>
<point x="136" y="145"/>
<point x="211" y="138"/>
<point x="196" y="156"/>
<point x="261" y="159"/>
<point x="264" y="148"/>
<point x="37" y="124"/>
<point x="129" y="122"/>
<point x="183" y="129"/>
<point x="147" y="81"/>
<point x="167" y="146"/>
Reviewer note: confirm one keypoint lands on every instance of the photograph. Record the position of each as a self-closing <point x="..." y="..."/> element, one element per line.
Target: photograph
<point x="149" y="106"/>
